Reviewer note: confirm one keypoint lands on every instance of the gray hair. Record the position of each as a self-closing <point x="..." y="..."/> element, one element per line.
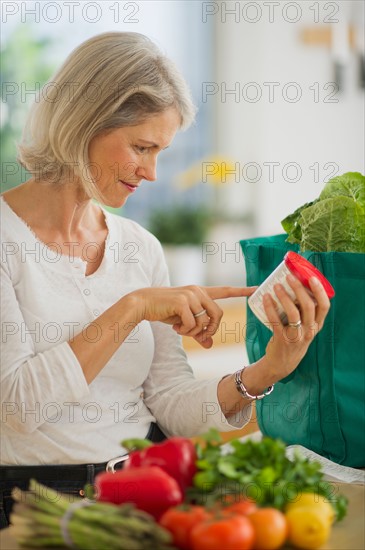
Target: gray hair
<point x="112" y="80"/>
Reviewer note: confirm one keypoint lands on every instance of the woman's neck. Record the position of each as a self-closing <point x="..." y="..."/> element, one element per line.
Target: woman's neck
<point x="63" y="210"/>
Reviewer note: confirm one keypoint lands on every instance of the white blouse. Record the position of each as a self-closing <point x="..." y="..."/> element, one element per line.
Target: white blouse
<point x="49" y="414"/>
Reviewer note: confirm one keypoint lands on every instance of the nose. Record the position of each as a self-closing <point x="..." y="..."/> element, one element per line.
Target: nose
<point x="148" y="169"/>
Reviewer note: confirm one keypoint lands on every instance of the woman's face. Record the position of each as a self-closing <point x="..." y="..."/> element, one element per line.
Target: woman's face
<point x="121" y="159"/>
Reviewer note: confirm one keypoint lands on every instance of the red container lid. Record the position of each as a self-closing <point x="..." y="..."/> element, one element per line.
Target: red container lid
<point x="304" y="270"/>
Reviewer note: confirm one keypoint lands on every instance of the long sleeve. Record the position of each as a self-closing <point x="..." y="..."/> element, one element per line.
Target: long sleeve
<point x="30" y="380"/>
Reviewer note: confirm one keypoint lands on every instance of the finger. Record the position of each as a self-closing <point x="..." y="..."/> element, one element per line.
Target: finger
<point x="305" y="301"/>
<point x="200" y="310"/>
<point x="198" y="300"/>
<point x="217" y="292"/>
<point x="207" y="324"/>
<point x="271" y="313"/>
<point x="202" y="324"/>
<point x="323" y="302"/>
<point x="203" y="337"/>
<point x="215" y="315"/>
<point x="187" y="318"/>
<point x="291" y="333"/>
<point x="291" y="310"/>
<point x="204" y="340"/>
<point x="193" y="323"/>
<point x="210" y="322"/>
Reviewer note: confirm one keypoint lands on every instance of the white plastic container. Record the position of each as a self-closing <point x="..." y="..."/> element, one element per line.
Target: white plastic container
<point x="293" y="264"/>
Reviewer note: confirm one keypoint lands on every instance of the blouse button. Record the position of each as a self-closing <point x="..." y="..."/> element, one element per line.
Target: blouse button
<point x="96" y="312"/>
<point x="86" y="292"/>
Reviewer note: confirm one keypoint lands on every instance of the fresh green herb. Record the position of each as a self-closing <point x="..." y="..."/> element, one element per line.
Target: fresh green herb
<point x="258" y="470"/>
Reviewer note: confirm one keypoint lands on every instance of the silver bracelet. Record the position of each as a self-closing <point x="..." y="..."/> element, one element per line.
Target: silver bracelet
<point x="243" y="391"/>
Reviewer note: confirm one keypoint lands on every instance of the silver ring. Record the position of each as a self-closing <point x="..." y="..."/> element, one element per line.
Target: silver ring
<point x="295" y="325"/>
<point x="202" y="312"/>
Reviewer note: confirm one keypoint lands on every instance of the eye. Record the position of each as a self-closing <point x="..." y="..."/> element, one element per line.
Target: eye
<point x="140" y="149"/>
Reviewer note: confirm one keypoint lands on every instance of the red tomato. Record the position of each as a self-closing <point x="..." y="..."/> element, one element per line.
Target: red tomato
<point x="181" y="520"/>
<point x="244" y="508"/>
<point x="228" y="533"/>
<point x="271" y="528"/>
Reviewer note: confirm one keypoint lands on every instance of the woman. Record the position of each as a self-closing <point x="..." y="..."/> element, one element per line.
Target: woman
<point x="91" y="330"/>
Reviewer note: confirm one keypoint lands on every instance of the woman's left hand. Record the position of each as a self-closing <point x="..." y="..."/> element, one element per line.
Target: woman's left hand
<point x="290" y="343"/>
<point x="191" y="310"/>
<point x="207" y="325"/>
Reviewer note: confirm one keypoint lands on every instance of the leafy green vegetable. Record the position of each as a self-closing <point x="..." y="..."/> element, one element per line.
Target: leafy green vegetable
<point x="259" y="470"/>
<point x="292" y="226"/>
<point x="333" y="222"/>
<point x="351" y="184"/>
<point x="339" y="221"/>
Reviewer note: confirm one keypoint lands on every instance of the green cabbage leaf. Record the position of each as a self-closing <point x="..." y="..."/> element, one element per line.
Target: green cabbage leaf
<point x="333" y="222"/>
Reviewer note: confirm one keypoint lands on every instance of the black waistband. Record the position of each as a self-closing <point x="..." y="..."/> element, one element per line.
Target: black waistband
<point x="82" y="473"/>
<point x="66" y="472"/>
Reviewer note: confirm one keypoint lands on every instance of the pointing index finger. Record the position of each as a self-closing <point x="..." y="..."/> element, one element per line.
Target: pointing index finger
<point x="217" y="292"/>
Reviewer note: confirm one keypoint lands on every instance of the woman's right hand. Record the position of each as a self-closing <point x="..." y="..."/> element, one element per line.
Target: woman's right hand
<point x="289" y="343"/>
<point x="179" y="306"/>
<point x="287" y="346"/>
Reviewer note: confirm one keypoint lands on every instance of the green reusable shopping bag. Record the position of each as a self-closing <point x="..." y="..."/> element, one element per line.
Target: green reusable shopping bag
<point x="321" y="404"/>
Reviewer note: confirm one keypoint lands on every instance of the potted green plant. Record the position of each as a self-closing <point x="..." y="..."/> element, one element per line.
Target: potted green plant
<point x="182" y="231"/>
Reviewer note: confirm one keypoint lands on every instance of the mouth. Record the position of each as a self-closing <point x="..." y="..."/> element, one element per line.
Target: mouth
<point x="131" y="187"/>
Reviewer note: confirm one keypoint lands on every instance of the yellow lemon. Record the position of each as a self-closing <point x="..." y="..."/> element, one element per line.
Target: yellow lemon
<point x="315" y="501"/>
<point x="308" y="527"/>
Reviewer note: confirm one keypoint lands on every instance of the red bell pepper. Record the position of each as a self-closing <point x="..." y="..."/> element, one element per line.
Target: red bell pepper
<point x="177" y="456"/>
<point x="149" y="488"/>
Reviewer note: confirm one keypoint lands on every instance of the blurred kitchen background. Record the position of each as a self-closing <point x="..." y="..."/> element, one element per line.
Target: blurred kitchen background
<point x="280" y="92"/>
